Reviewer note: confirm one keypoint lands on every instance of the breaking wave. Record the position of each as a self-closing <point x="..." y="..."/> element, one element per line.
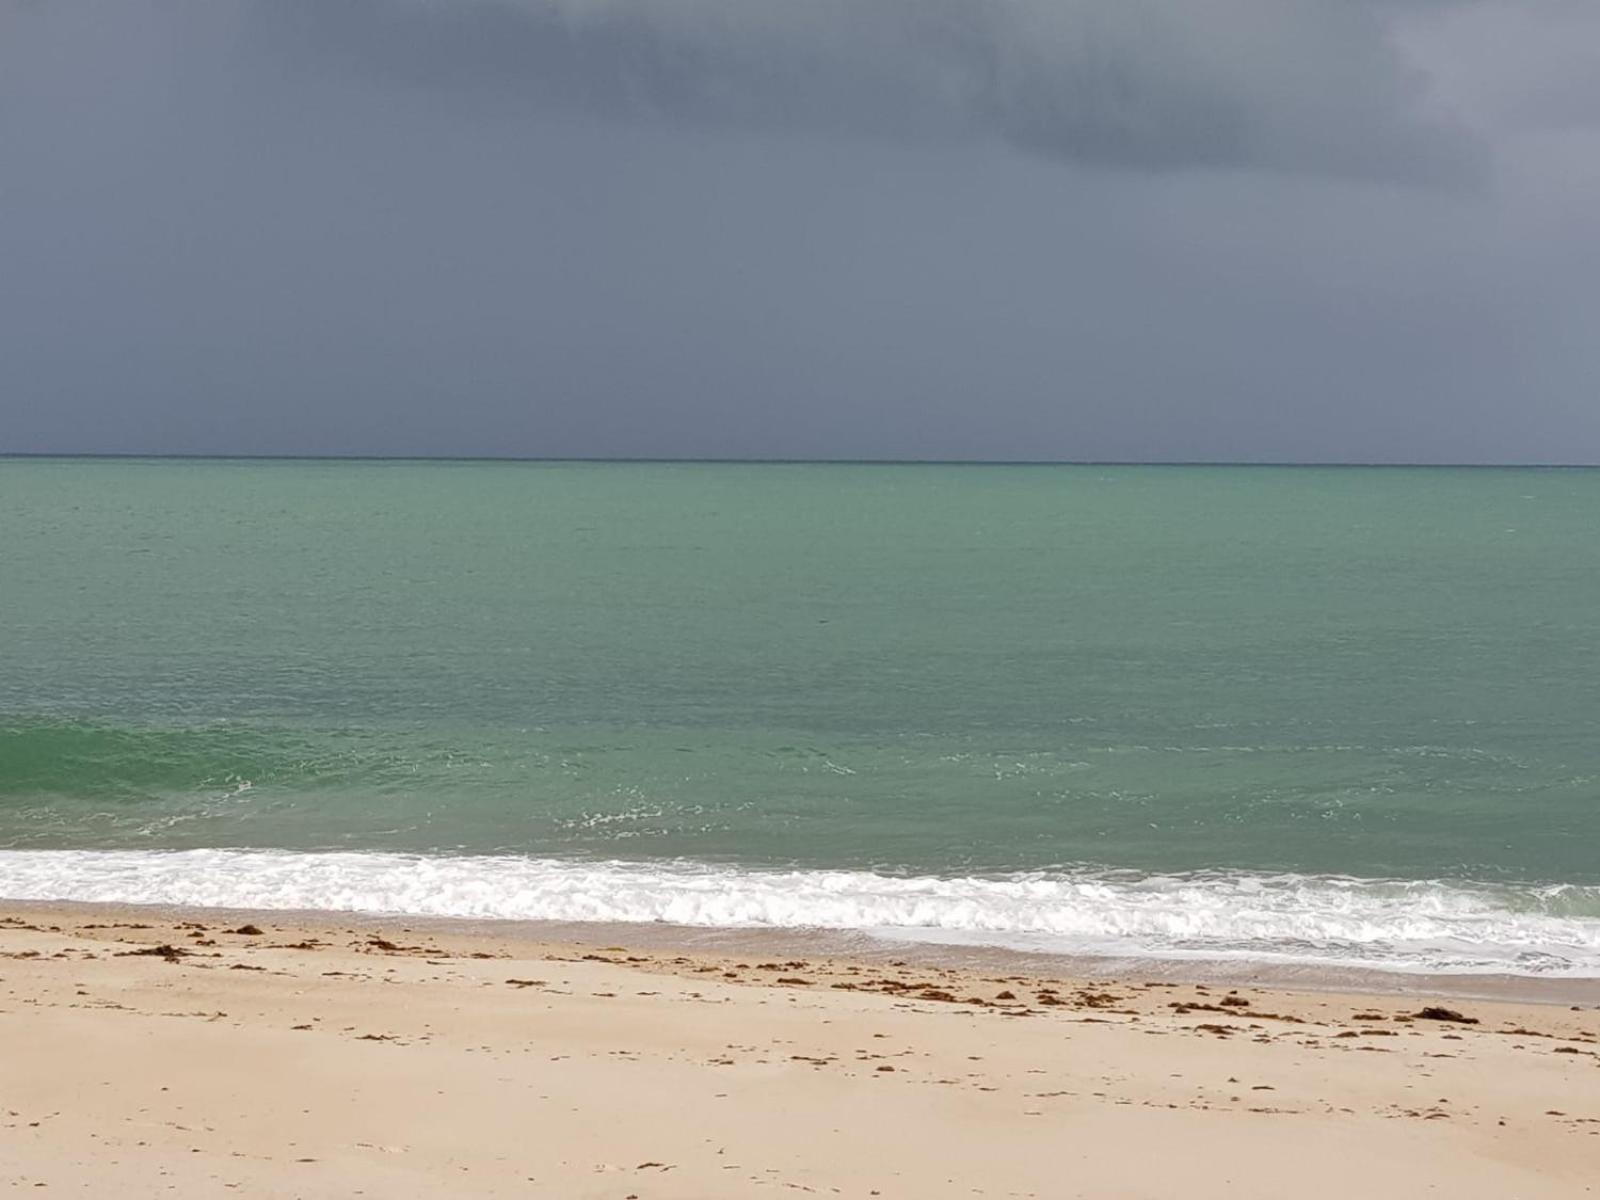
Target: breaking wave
<point x="1428" y="927"/>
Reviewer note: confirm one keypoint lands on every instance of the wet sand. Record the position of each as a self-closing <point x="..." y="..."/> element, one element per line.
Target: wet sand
<point x="195" y="1054"/>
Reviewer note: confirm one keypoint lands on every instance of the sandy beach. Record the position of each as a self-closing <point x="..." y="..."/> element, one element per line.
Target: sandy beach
<point x="176" y="1054"/>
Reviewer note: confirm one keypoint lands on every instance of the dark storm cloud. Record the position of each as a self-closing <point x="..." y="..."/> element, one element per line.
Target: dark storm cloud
<point x="1300" y="85"/>
<point x="1194" y="229"/>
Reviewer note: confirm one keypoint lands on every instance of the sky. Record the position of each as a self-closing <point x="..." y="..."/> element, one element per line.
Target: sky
<point x="1146" y="230"/>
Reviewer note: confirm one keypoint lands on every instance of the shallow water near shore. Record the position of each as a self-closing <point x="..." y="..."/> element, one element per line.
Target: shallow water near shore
<point x="859" y="947"/>
<point x="1342" y="717"/>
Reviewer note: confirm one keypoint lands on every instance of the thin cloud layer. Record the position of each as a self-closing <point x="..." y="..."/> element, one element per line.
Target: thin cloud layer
<point x="1518" y="65"/>
<point x="1293" y="85"/>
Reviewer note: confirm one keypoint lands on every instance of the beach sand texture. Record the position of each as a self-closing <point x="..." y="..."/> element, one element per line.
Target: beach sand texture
<point x="154" y="1055"/>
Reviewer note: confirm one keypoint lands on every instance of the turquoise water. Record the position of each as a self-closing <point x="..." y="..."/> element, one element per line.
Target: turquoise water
<point x="942" y="677"/>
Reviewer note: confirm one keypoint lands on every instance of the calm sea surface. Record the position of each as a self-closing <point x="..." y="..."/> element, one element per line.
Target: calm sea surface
<point x="1342" y="714"/>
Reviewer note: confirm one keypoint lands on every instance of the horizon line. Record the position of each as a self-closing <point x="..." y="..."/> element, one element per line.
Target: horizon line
<point x="750" y="461"/>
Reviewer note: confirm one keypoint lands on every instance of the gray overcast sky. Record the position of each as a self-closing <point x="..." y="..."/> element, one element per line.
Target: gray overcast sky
<point x="1084" y="229"/>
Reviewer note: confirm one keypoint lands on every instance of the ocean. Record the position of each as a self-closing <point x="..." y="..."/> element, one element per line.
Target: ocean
<point x="1334" y="716"/>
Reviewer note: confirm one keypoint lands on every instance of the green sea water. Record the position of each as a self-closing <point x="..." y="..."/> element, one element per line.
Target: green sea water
<point x="915" y="672"/>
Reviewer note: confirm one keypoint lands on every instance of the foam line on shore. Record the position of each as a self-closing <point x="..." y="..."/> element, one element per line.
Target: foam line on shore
<point x="1426" y="927"/>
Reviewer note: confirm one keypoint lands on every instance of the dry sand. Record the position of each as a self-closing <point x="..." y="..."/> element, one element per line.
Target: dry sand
<point x="160" y="1055"/>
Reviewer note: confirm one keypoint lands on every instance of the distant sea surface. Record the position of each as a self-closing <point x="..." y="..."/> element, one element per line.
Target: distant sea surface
<point x="1323" y="715"/>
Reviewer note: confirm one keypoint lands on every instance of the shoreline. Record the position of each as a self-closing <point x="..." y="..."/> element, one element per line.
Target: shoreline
<point x="1332" y="931"/>
<point x="874" y="947"/>
<point x="157" y="1052"/>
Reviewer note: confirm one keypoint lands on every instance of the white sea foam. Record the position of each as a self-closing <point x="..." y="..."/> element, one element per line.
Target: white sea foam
<point x="1406" y="926"/>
